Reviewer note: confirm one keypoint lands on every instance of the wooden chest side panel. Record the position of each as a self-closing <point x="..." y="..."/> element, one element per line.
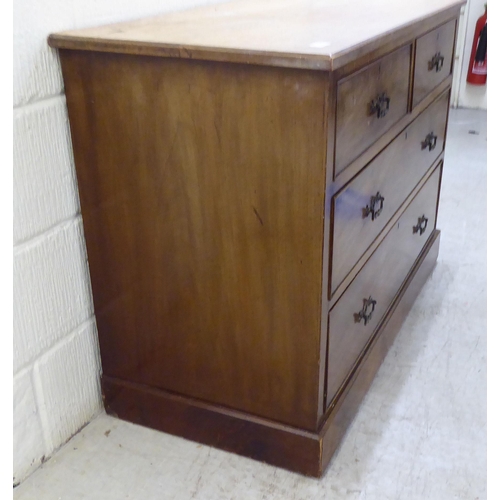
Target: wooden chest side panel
<point x="202" y="194"/>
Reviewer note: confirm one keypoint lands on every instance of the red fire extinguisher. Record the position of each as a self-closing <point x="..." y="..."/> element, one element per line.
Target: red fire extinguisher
<point x="477" y="65"/>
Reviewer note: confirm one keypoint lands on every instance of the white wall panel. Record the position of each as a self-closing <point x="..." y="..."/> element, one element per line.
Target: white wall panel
<point x="29" y="446"/>
<point x="44" y="180"/>
<point x="67" y="380"/>
<point x="36" y="67"/>
<point x="51" y="290"/>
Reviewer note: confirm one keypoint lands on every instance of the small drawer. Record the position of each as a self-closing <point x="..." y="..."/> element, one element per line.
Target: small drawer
<point x="369" y="103"/>
<point x="364" y="207"/>
<point x="355" y="317"/>
<point x="433" y="59"/>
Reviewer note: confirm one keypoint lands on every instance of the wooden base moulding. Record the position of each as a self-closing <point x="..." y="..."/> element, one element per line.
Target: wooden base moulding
<point x="276" y="444"/>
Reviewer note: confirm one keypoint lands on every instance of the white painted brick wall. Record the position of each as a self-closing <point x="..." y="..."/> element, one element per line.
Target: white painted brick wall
<point x="68" y="373"/>
<point x="51" y="290"/>
<point x="44" y="180"/>
<point x="28" y="435"/>
<point x="56" y="358"/>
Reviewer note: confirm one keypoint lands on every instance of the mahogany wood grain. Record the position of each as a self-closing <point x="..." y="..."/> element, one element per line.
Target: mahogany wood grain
<point x="393" y="174"/>
<point x="439" y="42"/>
<point x="202" y="190"/>
<point x="380" y="279"/>
<point x="317" y="34"/>
<point x="357" y="126"/>
<point x="342" y="412"/>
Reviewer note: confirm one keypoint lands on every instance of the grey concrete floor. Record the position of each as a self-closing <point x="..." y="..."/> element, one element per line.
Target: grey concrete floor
<point x="419" y="434"/>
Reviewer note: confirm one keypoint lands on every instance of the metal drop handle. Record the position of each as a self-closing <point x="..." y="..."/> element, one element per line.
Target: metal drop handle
<point x="421" y="225"/>
<point x="366" y="313"/>
<point x="430" y="141"/>
<point x="436" y="62"/>
<point x="375" y="207"/>
<point x="380" y="105"/>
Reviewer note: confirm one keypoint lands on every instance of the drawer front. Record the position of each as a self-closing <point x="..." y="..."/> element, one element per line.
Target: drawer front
<point x="350" y="324"/>
<point x="358" y="213"/>
<point x="433" y="59"/>
<point x="369" y="103"/>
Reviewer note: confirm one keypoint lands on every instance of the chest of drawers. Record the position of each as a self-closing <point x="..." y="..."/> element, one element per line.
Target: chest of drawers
<point x="259" y="185"/>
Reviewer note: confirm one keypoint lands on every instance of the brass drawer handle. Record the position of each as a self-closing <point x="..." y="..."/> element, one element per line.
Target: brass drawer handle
<point x="380" y="105"/>
<point x="421" y="225"/>
<point x="437" y="62"/>
<point x="375" y="207"/>
<point x="365" y="314"/>
<point x="430" y="141"/>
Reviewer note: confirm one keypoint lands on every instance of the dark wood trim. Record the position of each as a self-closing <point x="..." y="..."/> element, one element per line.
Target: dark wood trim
<point x="325" y="383"/>
<point x="412" y="75"/>
<point x="447" y="121"/>
<point x="454" y="46"/>
<point x="330" y="113"/>
<point x="439" y="194"/>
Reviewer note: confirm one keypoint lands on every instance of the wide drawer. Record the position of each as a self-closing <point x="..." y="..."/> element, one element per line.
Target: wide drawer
<point x="369" y="103"/>
<point x="355" y="316"/>
<point x="433" y="59"/>
<point x="363" y="208"/>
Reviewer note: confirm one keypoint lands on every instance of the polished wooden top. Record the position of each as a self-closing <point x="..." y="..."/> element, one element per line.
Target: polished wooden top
<point x="316" y="34"/>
